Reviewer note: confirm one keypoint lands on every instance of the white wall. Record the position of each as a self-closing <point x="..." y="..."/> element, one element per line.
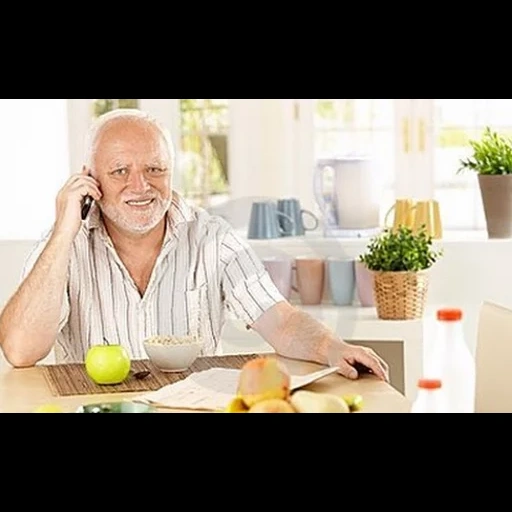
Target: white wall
<point x="12" y="256"/>
<point x="268" y="124"/>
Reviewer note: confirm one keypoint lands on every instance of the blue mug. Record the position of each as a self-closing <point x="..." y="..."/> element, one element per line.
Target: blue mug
<point x="342" y="280"/>
<point x="292" y="208"/>
<point x="265" y="222"/>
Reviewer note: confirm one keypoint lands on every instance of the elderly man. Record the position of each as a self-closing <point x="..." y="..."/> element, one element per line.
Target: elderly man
<point x="146" y="263"/>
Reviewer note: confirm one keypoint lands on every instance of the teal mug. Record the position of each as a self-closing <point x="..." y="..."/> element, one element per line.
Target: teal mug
<point x="292" y="209"/>
<point x="342" y="280"/>
<point x="265" y="222"/>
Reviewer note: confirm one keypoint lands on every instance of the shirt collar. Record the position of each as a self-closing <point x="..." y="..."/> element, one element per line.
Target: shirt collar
<point x="180" y="212"/>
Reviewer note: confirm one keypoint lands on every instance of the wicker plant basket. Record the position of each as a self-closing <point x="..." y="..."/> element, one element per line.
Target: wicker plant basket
<point x="401" y="295"/>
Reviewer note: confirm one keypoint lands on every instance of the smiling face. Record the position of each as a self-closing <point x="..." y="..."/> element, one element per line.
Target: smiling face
<point x="132" y="164"/>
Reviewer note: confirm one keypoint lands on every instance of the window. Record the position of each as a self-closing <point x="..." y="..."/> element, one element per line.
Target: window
<point x="35" y="164"/>
<point x="453" y="122"/>
<point x="101" y="107"/>
<point x="364" y="127"/>
<point x="417" y="145"/>
<point x="373" y="128"/>
<point x="203" y="156"/>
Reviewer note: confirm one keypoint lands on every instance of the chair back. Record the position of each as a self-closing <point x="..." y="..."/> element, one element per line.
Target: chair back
<point x="493" y="359"/>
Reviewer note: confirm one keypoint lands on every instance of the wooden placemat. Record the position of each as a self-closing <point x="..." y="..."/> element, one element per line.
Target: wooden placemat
<point x="72" y="379"/>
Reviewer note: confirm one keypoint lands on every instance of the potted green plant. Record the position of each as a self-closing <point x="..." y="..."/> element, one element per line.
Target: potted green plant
<point x="491" y="159"/>
<point x="400" y="260"/>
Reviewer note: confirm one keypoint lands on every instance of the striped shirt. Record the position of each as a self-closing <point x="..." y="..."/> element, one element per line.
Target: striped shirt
<point x="204" y="269"/>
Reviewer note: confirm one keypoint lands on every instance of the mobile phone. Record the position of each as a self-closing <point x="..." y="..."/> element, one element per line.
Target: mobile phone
<point x="86" y="206"/>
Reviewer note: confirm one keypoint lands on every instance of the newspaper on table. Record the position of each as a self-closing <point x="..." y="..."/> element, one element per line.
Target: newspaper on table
<point x="213" y="389"/>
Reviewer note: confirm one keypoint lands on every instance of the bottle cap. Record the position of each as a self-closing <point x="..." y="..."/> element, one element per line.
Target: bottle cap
<point x="430" y="384"/>
<point x="449" y="315"/>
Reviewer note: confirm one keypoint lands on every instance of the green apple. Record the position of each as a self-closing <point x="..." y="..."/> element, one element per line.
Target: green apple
<point x="107" y="364"/>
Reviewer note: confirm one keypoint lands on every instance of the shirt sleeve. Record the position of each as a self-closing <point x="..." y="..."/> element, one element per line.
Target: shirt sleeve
<point x="29" y="263"/>
<point x="248" y="289"/>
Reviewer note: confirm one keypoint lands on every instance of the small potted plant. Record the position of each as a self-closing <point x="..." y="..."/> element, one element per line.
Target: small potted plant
<point x="491" y="159"/>
<point x="400" y="260"/>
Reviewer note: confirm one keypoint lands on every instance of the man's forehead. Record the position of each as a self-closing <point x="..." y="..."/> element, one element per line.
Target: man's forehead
<point x="116" y="145"/>
<point x="128" y="132"/>
<point x="136" y="159"/>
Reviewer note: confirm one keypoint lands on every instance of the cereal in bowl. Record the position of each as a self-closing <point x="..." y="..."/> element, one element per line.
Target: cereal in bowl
<point x="172" y="340"/>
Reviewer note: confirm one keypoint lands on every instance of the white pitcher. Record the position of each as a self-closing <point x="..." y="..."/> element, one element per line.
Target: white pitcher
<point x="352" y="200"/>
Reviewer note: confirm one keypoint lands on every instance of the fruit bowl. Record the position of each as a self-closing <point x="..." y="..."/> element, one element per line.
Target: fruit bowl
<point x="173" y="354"/>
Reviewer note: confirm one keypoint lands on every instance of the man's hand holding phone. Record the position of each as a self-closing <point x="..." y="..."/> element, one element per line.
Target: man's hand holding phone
<point x="72" y="200"/>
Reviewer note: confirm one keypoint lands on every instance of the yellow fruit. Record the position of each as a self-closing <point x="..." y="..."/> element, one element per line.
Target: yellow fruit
<point x="263" y="378"/>
<point x="274" y="405"/>
<point x="236" y="405"/>
<point x="310" y="402"/>
<point x="48" y="408"/>
<point x="354" y="402"/>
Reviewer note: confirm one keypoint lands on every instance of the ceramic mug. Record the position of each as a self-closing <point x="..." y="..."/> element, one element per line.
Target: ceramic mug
<point x="342" y="280"/>
<point x="428" y="216"/>
<point x="310" y="275"/>
<point x="292" y="208"/>
<point x="404" y="210"/>
<point x="280" y="271"/>
<point x="264" y="222"/>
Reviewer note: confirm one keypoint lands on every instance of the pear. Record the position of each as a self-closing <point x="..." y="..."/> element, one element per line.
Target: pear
<point x="263" y="378"/>
<point x="236" y="405"/>
<point x="274" y="405"/>
<point x="311" y="402"/>
<point x="354" y="402"/>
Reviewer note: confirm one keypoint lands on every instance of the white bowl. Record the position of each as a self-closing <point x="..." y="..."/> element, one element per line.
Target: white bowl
<point x="173" y="355"/>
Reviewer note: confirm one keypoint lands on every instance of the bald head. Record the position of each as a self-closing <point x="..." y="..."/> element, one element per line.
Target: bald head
<point x="118" y="124"/>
